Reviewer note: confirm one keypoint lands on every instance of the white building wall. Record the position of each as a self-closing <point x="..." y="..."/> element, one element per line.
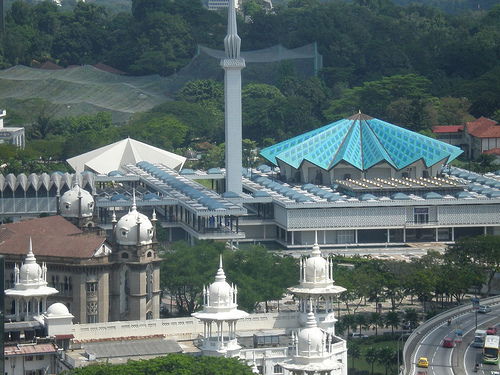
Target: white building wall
<point x="181" y="328"/>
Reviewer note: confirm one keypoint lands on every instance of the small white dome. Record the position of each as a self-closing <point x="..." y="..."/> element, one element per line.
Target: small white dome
<point x="75" y="202"/>
<point x="126" y="228"/>
<point x="311" y="339"/>
<point x="221" y="293"/>
<point x="316" y="266"/>
<point x="30" y="272"/>
<point x="57" y="309"/>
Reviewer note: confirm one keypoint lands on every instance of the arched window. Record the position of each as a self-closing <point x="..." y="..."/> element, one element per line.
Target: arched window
<point x="125" y="256"/>
<point x="278" y="369"/>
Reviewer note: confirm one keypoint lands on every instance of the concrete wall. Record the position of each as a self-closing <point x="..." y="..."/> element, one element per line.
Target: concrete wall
<point x="181" y="328"/>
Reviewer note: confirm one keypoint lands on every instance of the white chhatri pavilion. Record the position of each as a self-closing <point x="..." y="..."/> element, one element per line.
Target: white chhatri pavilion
<point x="220" y="307"/>
<point x="314" y="352"/>
<point x="316" y="284"/>
<point x="30" y="290"/>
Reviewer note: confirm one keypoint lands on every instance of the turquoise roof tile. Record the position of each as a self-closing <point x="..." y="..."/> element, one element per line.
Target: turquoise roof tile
<point x="363" y="142"/>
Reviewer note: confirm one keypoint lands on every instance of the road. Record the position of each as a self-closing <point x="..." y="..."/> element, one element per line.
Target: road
<point x="445" y="361"/>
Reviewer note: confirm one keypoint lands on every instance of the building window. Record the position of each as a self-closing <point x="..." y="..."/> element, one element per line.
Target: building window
<point x="278" y="369"/>
<point x="39" y="357"/>
<point x="421" y="215"/>
<point x="29" y="358"/>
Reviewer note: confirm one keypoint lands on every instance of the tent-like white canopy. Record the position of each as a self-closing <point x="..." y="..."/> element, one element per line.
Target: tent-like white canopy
<point x="128" y="151"/>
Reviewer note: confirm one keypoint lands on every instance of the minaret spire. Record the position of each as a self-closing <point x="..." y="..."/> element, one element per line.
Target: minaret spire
<point x="232" y="64"/>
<point x="232" y="41"/>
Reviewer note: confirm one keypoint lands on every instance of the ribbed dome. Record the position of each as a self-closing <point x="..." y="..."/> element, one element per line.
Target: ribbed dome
<point x="316" y="266"/>
<point x="73" y="199"/>
<point x="57" y="309"/>
<point x="221" y="293"/>
<point x="30" y="272"/>
<point x="126" y="228"/>
<point x="310" y="339"/>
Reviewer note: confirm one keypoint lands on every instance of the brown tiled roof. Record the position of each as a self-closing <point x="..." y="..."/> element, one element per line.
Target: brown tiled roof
<point x="447" y="128"/>
<point x="13" y="350"/>
<point x="108" y="68"/>
<point x="493" y="151"/>
<point x="50" y="226"/>
<point x="52" y="236"/>
<point x="483" y="128"/>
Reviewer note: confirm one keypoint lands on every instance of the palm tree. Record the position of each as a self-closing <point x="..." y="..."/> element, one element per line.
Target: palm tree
<point x="386" y="357"/>
<point x="354" y="351"/>
<point x="392" y="320"/>
<point x="349" y="321"/>
<point x="376" y="320"/>
<point x="361" y="321"/>
<point x="371" y="356"/>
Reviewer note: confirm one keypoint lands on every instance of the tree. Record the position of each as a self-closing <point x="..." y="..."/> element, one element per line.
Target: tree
<point x="169" y="365"/>
<point x="185" y="270"/>
<point x="202" y="91"/>
<point x="376" y="320"/>
<point x="354" y="351"/>
<point x="387" y="357"/>
<point x="371" y="356"/>
<point x="392" y="320"/>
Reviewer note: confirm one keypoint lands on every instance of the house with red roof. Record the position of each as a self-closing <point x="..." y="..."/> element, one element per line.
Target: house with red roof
<point x="451" y="134"/>
<point x="481" y="135"/>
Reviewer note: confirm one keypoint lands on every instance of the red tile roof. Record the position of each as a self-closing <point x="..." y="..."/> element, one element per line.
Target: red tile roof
<point x="493" y="151"/>
<point x="51" y="236"/>
<point x="15" y="350"/>
<point x="447" y="128"/>
<point x="483" y="128"/>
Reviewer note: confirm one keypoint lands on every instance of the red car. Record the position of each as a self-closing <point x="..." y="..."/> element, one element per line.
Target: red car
<point x="491" y="330"/>
<point x="448" y="343"/>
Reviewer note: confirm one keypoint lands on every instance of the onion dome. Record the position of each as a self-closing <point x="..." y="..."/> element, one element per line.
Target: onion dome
<point x="316" y="266"/>
<point x="76" y="202"/>
<point x="134" y="228"/>
<point x="220" y="292"/>
<point x="30" y="271"/>
<point x="311" y="339"/>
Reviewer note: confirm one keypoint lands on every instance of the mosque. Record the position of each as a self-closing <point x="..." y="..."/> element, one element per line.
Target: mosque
<point x="357" y="181"/>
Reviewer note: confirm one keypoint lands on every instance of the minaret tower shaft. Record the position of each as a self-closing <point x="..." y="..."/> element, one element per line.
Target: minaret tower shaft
<point x="232" y="65"/>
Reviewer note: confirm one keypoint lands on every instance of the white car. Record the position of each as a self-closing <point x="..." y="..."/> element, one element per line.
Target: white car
<point x="354" y="335"/>
<point x="483" y="309"/>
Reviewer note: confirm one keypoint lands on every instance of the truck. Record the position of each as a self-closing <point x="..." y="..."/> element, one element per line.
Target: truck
<point x="479" y="337"/>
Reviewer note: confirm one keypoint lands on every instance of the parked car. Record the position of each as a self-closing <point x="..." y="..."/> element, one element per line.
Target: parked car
<point x="483" y="309"/>
<point x="447" y="343"/>
<point x="355" y="335"/>
<point x="423" y="362"/>
<point x="409" y="325"/>
<point x="491" y="330"/>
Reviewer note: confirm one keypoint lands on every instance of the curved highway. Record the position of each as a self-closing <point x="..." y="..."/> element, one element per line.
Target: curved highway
<point x="461" y="358"/>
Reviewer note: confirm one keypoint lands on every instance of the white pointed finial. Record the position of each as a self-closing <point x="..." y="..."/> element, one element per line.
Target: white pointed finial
<point x="134" y="206"/>
<point x="232" y="41"/>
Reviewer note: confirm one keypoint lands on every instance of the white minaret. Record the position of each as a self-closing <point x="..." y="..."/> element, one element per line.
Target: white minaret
<point x="232" y="65"/>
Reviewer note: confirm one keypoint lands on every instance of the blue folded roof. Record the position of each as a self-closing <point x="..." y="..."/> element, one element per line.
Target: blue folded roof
<point x="363" y="142"/>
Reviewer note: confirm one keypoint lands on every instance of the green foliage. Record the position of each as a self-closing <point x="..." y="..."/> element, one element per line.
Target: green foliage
<point x="178" y="364"/>
<point x="259" y="274"/>
<point x="204" y="92"/>
<point x="165" y="132"/>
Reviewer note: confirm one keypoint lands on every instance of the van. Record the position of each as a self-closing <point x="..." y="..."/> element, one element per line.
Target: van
<point x="479" y="338"/>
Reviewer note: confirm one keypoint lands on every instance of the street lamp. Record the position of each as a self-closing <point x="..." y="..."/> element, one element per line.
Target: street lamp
<point x="402" y="335"/>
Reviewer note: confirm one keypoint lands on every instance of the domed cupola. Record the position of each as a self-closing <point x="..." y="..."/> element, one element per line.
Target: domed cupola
<point x="76" y="203"/>
<point x="30" y="271"/>
<point x="311" y="339"/>
<point x="316" y="267"/>
<point x="30" y="291"/>
<point x="220" y="293"/>
<point x="220" y="307"/>
<point x="134" y="228"/>
<point x="313" y="352"/>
